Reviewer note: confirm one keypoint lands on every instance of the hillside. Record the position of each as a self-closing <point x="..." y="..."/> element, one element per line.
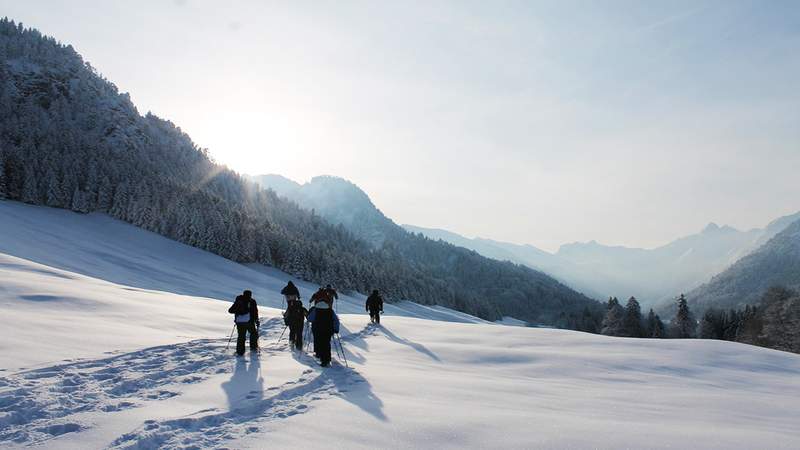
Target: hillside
<point x="69" y="139"/>
<point x="117" y="365"/>
<point x="775" y="263"/>
<point x="654" y="276"/>
<point x="342" y="203"/>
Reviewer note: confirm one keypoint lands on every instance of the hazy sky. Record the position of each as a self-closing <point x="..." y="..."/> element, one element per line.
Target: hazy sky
<point x="631" y="123"/>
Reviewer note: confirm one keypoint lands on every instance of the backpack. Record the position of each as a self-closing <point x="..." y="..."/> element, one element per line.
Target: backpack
<point x="241" y="306"/>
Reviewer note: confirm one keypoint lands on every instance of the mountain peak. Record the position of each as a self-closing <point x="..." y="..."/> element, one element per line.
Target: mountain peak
<point x="710" y="228"/>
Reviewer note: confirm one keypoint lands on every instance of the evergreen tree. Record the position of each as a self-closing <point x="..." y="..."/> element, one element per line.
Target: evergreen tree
<point x="3" y="185"/>
<point x="712" y="324"/>
<point x="55" y="197"/>
<point x="614" y="320"/>
<point x="29" y="189"/>
<point x="79" y="201"/>
<point x="781" y="319"/>
<point x="632" y="322"/>
<point x="655" y="327"/>
<point x="684" y="324"/>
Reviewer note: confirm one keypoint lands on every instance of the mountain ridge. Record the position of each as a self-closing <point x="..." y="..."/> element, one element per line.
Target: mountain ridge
<point x="69" y="139"/>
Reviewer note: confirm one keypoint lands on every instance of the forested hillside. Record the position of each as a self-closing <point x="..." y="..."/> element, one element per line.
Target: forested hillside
<point x="69" y="139"/>
<point x="776" y="263"/>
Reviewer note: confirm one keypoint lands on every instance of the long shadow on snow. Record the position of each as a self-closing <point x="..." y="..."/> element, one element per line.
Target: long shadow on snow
<point x="342" y="378"/>
<point x="35" y="405"/>
<point x="248" y="415"/>
<point x="359" y="339"/>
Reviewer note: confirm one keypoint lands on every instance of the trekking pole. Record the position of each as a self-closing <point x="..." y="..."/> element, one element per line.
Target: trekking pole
<point x="281" y="336"/>
<point x="338" y="355"/>
<point x="230" y="338"/>
<point x="342" y="347"/>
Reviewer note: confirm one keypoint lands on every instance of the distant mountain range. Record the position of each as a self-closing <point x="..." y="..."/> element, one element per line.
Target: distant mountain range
<point x="654" y="276"/>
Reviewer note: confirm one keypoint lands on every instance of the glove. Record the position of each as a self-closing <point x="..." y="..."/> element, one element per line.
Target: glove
<point x="258" y="324"/>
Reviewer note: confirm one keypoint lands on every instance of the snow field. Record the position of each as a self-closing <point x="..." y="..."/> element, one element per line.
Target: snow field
<point x="94" y="353"/>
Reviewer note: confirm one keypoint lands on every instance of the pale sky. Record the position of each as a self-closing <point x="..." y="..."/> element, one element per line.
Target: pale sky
<point x="631" y="123"/>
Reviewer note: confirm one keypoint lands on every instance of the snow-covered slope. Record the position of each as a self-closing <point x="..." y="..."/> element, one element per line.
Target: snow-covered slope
<point x="134" y="363"/>
<point x="100" y="247"/>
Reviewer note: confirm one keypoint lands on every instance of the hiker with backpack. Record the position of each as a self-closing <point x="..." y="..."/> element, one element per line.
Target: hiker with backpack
<point x="245" y="315"/>
<point x="319" y="301"/>
<point x="332" y="294"/>
<point x="324" y="324"/>
<point x="291" y="293"/>
<point x="374" y="306"/>
<point x="295" y="317"/>
<point x="322" y="299"/>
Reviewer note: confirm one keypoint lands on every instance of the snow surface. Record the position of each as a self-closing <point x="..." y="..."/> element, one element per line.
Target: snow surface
<point x="111" y="337"/>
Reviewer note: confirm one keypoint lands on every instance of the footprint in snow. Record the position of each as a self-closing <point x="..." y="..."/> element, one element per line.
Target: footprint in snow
<point x="37" y="403"/>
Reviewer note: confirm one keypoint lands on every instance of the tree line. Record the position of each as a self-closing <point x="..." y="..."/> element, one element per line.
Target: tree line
<point x="69" y="139"/>
<point x="774" y="323"/>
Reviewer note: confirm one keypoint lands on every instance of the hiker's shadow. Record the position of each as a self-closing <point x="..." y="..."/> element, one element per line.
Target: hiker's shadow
<point x="246" y="383"/>
<point x="418" y="347"/>
<point x="358" y="340"/>
<point x="348" y="384"/>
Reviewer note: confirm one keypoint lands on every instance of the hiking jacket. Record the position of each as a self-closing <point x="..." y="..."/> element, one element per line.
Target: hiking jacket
<point x="312" y="317"/>
<point x="321" y="299"/>
<point x="244" y="310"/>
<point x="374" y="303"/>
<point x="290" y="289"/>
<point x="332" y="294"/>
<point x="295" y="314"/>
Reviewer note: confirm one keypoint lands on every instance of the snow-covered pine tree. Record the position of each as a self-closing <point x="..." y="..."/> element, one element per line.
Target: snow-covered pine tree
<point x="781" y="318"/>
<point x="79" y="201"/>
<point x="3" y="185"/>
<point x="614" y="320"/>
<point x="632" y="322"/>
<point x="54" y="196"/>
<point x="654" y="327"/>
<point x="29" y="189"/>
<point x="105" y="195"/>
<point x="712" y="324"/>
<point x="684" y="324"/>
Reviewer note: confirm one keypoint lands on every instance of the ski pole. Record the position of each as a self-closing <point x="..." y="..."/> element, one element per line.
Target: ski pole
<point x="342" y="347"/>
<point x="230" y="338"/>
<point x="335" y="346"/>
<point x="281" y="336"/>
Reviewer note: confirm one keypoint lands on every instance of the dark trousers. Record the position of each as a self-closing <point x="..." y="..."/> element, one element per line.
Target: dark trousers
<point x="242" y="329"/>
<point x="323" y="331"/>
<point x="322" y="346"/>
<point x="375" y="316"/>
<point x="296" y="335"/>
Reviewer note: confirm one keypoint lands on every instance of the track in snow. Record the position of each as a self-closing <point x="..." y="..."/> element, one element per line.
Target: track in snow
<point x="39" y="405"/>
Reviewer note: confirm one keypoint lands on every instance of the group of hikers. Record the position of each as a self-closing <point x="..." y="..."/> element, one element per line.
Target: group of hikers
<point x="320" y="314"/>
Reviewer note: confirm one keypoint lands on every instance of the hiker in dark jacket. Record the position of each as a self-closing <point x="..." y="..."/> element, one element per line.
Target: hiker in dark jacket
<point x="291" y="293"/>
<point x="245" y="315"/>
<point x="324" y="324"/>
<point x="295" y="319"/>
<point x="375" y="306"/>
<point x="321" y="299"/>
<point x="332" y="295"/>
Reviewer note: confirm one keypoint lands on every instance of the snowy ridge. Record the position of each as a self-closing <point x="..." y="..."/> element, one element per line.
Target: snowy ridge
<point x="113" y="365"/>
